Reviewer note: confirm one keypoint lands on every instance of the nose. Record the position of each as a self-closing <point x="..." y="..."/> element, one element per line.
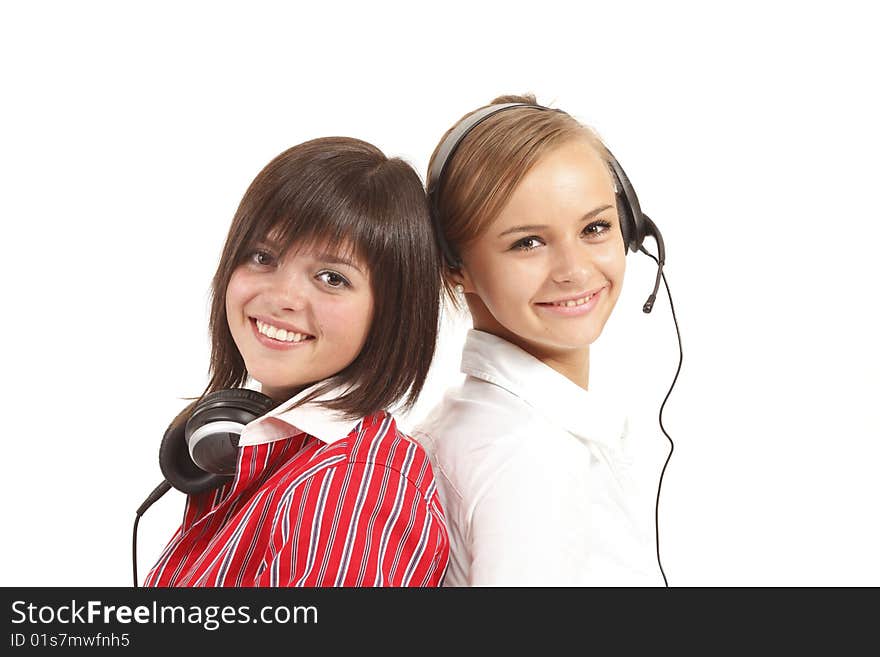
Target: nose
<point x="571" y="264"/>
<point x="286" y="290"/>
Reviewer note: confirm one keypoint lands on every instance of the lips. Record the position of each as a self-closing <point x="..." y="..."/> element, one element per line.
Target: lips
<point x="572" y="301"/>
<point x="571" y="306"/>
<point x="278" y="334"/>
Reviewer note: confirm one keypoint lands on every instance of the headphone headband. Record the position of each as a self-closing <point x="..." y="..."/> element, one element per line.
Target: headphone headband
<point x="445" y="153"/>
<point x="453" y="139"/>
<point x="634" y="225"/>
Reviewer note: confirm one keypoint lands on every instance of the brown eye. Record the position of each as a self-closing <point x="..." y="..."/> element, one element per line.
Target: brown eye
<point x="261" y="258"/>
<point x="597" y="228"/>
<point x="333" y="279"/>
<point x="526" y="244"/>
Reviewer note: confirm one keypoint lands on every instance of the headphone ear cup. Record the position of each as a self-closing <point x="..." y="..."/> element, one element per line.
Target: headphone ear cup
<point x="624" y="213"/>
<point x="202" y="453"/>
<point x="632" y="226"/>
<point x="213" y="429"/>
<point x="178" y="467"/>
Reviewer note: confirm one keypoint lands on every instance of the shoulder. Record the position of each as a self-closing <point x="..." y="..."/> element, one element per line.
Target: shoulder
<point x="478" y="415"/>
<point x="479" y="432"/>
<point x="379" y="445"/>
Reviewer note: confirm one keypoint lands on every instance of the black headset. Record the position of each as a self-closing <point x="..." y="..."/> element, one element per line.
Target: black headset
<point x="202" y="453"/>
<point x="634" y="224"/>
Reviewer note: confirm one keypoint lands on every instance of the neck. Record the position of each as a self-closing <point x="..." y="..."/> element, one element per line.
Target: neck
<point x="574" y="365"/>
<point x="281" y="394"/>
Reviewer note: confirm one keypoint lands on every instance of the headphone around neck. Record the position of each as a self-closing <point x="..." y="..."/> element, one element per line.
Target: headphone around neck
<point x="634" y="224"/>
<point x="202" y="453"/>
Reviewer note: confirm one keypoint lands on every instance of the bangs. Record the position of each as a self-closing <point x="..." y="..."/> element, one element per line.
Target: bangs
<point x="344" y="223"/>
<point x="288" y="236"/>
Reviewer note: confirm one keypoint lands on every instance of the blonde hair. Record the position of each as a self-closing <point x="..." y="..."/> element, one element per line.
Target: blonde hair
<point x="489" y="164"/>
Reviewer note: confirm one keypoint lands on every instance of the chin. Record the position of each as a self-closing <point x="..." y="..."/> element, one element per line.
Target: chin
<point x="571" y="342"/>
<point x="274" y="380"/>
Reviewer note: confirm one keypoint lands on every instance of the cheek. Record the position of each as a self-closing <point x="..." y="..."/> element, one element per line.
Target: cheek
<point x="349" y="319"/>
<point x="611" y="260"/>
<point x="236" y="292"/>
<point x="499" y="280"/>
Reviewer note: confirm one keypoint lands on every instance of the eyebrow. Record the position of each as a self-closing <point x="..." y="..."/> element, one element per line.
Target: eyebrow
<point x="533" y="227"/>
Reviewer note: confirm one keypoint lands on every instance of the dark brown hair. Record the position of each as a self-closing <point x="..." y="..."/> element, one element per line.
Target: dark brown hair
<point x="490" y="162"/>
<point x="344" y="193"/>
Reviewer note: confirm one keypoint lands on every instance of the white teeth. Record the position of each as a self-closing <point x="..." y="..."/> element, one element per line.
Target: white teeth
<point x="573" y="302"/>
<point x="280" y="334"/>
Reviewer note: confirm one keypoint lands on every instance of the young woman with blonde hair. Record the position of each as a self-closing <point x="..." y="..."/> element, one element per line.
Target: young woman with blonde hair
<point x="534" y="217"/>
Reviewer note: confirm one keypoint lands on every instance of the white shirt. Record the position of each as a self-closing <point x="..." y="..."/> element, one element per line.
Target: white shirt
<point x="281" y="422"/>
<point x="532" y="475"/>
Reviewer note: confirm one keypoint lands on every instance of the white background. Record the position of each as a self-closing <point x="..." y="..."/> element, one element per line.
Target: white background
<point x="130" y="131"/>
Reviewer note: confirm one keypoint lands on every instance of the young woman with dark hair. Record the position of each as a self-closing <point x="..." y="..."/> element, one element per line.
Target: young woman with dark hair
<point x="313" y="287"/>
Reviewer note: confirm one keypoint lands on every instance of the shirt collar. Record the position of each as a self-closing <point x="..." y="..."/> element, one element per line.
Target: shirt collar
<point x="586" y="414"/>
<point x="325" y="424"/>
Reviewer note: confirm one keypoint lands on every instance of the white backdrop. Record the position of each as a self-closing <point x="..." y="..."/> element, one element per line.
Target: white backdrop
<point x="129" y="132"/>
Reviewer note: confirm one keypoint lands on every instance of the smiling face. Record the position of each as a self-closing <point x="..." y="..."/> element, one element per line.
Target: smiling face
<point x="548" y="271"/>
<point x="298" y="319"/>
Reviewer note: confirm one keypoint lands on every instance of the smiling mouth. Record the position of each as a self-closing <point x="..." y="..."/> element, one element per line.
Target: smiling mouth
<point x="280" y="334"/>
<point x="570" y="303"/>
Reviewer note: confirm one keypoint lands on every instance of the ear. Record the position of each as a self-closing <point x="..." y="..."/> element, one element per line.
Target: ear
<point x="461" y="277"/>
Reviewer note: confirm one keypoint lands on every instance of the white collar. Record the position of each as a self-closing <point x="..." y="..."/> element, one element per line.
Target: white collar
<point x="281" y="422"/>
<point x="583" y="413"/>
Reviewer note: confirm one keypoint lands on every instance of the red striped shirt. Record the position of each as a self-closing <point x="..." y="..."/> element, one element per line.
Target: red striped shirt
<point x="361" y="511"/>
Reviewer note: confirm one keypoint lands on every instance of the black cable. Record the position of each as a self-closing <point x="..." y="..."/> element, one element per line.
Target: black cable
<point x="158" y="492"/>
<point x="134" y="554"/>
<point x="660" y="418"/>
